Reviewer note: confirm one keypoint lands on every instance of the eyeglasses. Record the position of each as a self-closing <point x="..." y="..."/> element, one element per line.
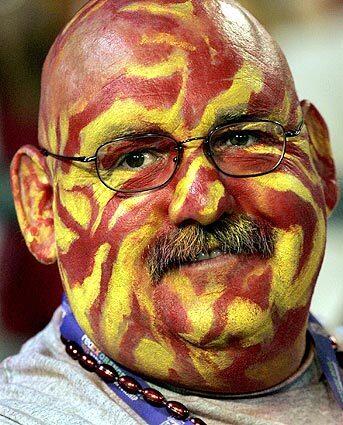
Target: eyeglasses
<point x="139" y="163"/>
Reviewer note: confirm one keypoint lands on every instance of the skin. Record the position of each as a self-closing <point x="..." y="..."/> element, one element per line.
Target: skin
<point x="234" y="324"/>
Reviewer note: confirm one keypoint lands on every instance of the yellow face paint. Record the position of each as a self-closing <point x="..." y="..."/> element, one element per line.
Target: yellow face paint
<point x="204" y="322"/>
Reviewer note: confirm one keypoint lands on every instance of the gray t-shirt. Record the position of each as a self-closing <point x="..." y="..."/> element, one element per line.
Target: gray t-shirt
<point x="43" y="385"/>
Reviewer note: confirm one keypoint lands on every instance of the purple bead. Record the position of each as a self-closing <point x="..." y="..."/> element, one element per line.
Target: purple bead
<point x="106" y="373"/>
<point x="87" y="362"/>
<point x="153" y="397"/>
<point x="128" y="384"/>
<point x="177" y="410"/>
<point x="74" y="350"/>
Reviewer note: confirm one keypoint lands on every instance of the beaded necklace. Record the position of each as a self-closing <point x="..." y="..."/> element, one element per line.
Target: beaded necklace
<point x="130" y="385"/>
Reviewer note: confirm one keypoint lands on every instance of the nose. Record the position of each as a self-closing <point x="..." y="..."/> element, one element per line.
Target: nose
<point x="200" y="195"/>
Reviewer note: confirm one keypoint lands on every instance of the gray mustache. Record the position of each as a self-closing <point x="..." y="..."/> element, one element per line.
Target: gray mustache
<point x="232" y="235"/>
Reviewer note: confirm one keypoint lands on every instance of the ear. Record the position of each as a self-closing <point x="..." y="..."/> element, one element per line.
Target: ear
<point x="33" y="195"/>
<point x="321" y="152"/>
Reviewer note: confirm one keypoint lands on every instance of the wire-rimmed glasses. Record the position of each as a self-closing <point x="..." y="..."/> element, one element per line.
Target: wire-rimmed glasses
<point x="144" y="162"/>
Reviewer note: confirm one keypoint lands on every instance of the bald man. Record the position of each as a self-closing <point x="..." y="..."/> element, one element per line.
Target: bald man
<point x="184" y="191"/>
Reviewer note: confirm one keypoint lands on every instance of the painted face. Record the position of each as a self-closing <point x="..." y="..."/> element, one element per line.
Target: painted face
<point x="234" y="323"/>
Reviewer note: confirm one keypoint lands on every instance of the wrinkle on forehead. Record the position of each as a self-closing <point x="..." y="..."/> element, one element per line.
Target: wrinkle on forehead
<point x="115" y="40"/>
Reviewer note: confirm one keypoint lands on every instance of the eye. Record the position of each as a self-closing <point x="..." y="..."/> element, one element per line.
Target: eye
<point x="236" y="138"/>
<point x="137" y="160"/>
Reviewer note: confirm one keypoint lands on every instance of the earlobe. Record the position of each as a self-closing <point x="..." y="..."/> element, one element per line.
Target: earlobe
<point x="321" y="152"/>
<point x="33" y="199"/>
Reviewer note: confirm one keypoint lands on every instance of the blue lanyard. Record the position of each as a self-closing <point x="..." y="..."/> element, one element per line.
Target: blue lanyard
<point x="327" y="358"/>
<point x="158" y="416"/>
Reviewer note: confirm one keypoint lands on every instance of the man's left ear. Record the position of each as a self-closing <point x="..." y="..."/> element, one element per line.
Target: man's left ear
<point x="321" y="152"/>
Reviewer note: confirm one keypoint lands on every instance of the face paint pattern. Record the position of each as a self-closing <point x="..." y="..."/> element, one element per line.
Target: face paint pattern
<point x="176" y="66"/>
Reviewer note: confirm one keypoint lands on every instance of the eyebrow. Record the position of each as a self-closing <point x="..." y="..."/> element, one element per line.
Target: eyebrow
<point x="147" y="129"/>
<point x="239" y="115"/>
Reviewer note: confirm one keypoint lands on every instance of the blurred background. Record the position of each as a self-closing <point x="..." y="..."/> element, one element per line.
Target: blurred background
<point x="311" y="34"/>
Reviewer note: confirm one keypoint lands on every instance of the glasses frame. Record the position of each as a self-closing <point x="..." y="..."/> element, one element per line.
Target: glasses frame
<point x="179" y="148"/>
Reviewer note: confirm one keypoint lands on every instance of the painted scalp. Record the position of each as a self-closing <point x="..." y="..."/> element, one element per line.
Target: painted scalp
<point x="117" y="49"/>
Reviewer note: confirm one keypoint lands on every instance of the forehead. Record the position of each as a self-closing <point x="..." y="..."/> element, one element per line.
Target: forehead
<point x="124" y="66"/>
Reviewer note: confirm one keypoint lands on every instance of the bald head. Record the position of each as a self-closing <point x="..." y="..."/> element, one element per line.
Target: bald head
<point x="175" y="56"/>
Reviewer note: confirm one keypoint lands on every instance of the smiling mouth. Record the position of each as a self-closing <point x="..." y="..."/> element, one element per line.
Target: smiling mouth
<point x="209" y="255"/>
<point x="212" y="258"/>
<point x="204" y="258"/>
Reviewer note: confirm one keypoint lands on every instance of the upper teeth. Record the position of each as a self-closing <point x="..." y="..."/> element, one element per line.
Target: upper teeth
<point x="213" y="254"/>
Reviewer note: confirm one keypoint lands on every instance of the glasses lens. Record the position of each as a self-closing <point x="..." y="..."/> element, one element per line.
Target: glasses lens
<point x="248" y="148"/>
<point x="138" y="163"/>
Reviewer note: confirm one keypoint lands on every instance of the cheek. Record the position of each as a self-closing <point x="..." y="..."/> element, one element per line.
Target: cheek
<point x="293" y="204"/>
<point x="100" y="241"/>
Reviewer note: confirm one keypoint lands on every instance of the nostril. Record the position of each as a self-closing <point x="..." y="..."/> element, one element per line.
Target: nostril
<point x="188" y="222"/>
<point x="191" y="221"/>
<point x="224" y="216"/>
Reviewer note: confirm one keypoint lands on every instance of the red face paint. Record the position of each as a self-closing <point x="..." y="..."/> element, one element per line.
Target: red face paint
<point x="178" y="68"/>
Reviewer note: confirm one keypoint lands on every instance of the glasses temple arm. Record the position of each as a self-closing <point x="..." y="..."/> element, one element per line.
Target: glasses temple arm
<point x="296" y="132"/>
<point x="70" y="158"/>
